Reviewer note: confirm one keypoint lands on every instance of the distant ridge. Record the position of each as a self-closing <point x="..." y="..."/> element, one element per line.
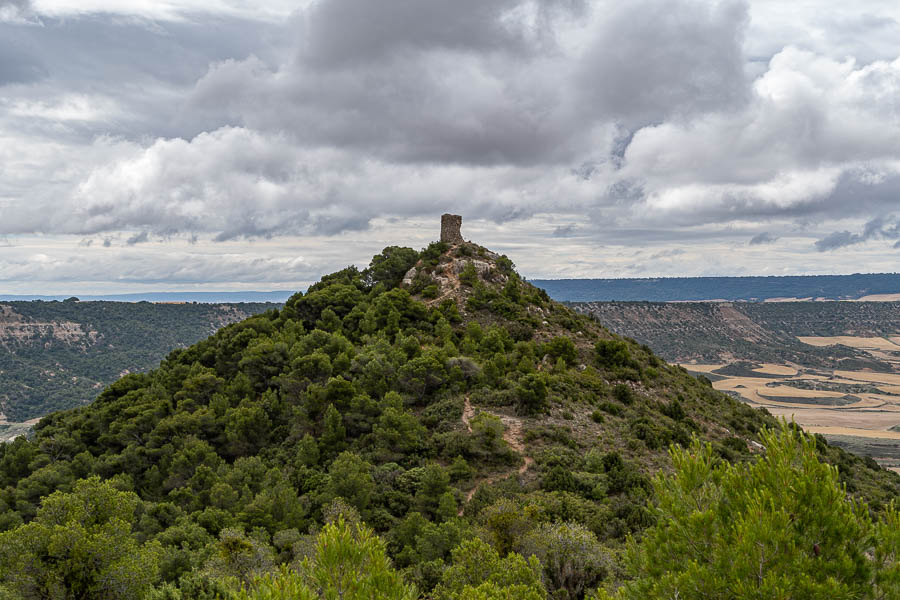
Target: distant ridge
<point x="277" y="296"/>
<point x="746" y="289"/>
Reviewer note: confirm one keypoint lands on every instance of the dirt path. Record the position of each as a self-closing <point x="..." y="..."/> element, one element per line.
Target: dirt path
<point x="512" y="435"/>
<point x="468" y="413"/>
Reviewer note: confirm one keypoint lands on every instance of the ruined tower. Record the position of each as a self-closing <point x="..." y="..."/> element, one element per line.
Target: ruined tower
<point x="450" y="226"/>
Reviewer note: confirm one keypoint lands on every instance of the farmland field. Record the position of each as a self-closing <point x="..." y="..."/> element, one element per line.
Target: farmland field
<point x="833" y="367"/>
<point x="856" y="409"/>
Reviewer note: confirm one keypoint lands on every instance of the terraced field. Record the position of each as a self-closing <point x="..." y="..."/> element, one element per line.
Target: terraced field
<point x="833" y="367"/>
<point x="857" y="409"/>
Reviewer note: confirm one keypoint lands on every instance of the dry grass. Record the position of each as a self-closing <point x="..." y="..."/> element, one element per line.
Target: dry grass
<point x="866" y="433"/>
<point x="856" y="376"/>
<point x="877" y="343"/>
<point x="773" y="369"/>
<point x="701" y="368"/>
<point x="786" y="391"/>
<point x="876" y="423"/>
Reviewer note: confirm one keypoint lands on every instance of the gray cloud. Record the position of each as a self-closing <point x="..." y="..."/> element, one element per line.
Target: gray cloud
<point x="884" y="227"/>
<point x="353" y="32"/>
<point x="763" y="238"/>
<point x="477" y="82"/>
<point x="838" y="239"/>
<point x="19" y="62"/>
<point x="138" y="238"/>
<point x="686" y="60"/>
<point x="15" y="7"/>
<point x="565" y="230"/>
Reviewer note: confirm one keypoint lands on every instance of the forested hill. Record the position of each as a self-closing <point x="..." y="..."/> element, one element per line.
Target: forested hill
<point x="432" y="427"/>
<point x="58" y="355"/>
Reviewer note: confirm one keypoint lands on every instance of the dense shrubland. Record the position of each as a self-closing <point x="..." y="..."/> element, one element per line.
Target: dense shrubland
<point x="388" y="441"/>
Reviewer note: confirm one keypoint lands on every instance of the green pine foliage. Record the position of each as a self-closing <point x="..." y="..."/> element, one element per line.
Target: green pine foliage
<point x="782" y="527"/>
<point x="348" y="561"/>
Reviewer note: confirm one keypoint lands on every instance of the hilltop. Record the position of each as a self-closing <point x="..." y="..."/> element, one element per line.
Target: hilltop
<point x="435" y="395"/>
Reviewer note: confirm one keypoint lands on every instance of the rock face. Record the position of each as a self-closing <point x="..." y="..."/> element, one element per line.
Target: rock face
<point x="450" y="229"/>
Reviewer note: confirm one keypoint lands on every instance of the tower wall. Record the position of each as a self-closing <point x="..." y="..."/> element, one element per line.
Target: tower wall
<point x="450" y="229"/>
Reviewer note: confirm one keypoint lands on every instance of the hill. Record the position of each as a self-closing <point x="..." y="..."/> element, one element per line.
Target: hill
<point x="867" y="286"/>
<point x="436" y="396"/>
<point x="58" y="355"/>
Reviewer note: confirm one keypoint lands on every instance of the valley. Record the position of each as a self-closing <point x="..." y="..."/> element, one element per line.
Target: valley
<point x="834" y="368"/>
<point x="60" y="355"/>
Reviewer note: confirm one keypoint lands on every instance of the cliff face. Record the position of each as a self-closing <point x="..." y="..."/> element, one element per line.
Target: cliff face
<point x="18" y="330"/>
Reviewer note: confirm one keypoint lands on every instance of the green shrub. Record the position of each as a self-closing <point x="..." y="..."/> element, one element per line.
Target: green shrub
<point x="610" y="408"/>
<point x="623" y="393"/>
<point x="469" y="275"/>
<point x="612" y="353"/>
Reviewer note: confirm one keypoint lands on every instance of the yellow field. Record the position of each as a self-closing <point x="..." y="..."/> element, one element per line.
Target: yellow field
<point x="876" y="423"/>
<point x="701" y="368"/>
<point x="866" y="433"/>
<point x="879" y="298"/>
<point x="889" y="378"/>
<point x="786" y="391"/>
<point x="772" y="369"/>
<point x="871" y="417"/>
<point x="877" y="343"/>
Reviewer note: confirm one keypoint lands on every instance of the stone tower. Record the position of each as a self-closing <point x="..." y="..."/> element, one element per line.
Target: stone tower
<point x="450" y="226"/>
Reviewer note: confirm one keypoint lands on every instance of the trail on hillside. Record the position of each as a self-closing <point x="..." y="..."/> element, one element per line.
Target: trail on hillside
<point x="512" y="435"/>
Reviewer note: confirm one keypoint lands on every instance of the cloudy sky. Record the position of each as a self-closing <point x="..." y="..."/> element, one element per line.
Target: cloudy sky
<point x="237" y="144"/>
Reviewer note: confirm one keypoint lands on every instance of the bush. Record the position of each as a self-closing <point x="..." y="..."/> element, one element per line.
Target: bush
<point x="469" y="275"/>
<point x="612" y="409"/>
<point x="623" y="393"/>
<point x="532" y="393"/>
<point x="430" y="291"/>
<point x="673" y="410"/>
<point x="561" y="347"/>
<point x="613" y="353"/>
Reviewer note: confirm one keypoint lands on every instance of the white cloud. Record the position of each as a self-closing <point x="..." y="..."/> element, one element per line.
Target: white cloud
<point x="169" y="10"/>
